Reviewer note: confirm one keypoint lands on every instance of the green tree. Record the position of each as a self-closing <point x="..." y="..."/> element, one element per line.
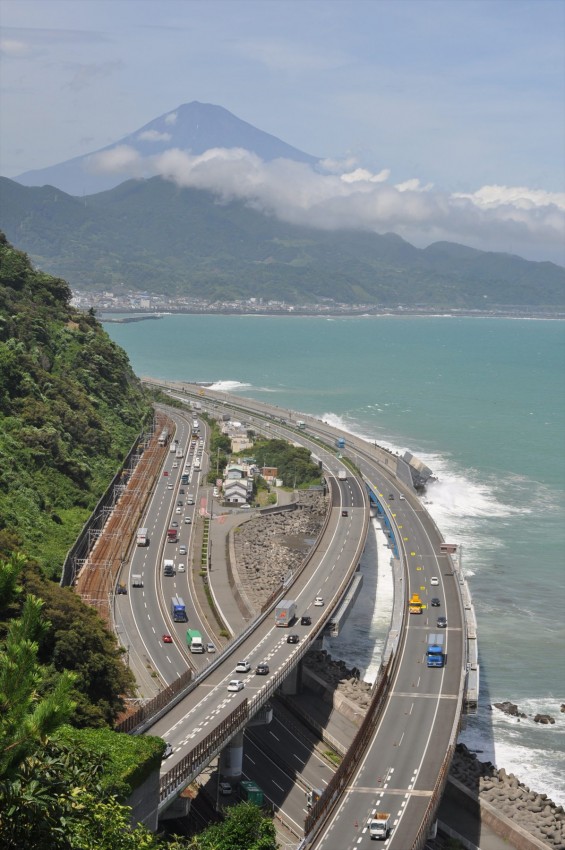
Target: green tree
<point x="26" y="718"/>
<point x="245" y="828"/>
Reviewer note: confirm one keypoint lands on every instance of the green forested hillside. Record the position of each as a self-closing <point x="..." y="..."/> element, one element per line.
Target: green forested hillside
<point x="70" y="408"/>
<point x="152" y="235"/>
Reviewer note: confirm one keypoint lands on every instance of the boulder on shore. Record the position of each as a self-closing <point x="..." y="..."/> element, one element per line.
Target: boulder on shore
<point x="509" y="708"/>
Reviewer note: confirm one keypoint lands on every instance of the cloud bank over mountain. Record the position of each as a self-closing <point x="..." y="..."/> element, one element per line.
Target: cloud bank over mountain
<point x="333" y="195"/>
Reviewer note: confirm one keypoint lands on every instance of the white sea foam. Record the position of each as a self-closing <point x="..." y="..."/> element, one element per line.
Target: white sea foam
<point x="229" y="386"/>
<point x="472" y="509"/>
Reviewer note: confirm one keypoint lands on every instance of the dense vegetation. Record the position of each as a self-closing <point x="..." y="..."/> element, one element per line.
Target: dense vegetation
<point x="62" y="788"/>
<point x="294" y="464"/>
<point x="70" y="408"/>
<point x="151" y="235"/>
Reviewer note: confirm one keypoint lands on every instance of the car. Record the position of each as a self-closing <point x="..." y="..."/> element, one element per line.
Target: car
<point x="170" y="486"/>
<point x="391" y="497"/>
<point x="175" y="465"/>
<point x="306" y="620"/>
<point x="434" y="581"/>
<point x="262" y="668"/>
<point x="402" y="498"/>
<point x="181" y="492"/>
<point x="189" y="500"/>
<point x="181" y="568"/>
<point x="183" y="550"/>
<point x="242" y="667"/>
<point x="165" y="473"/>
<point x="167" y="639"/>
<point x="187" y="520"/>
<point x="435" y="603"/>
<point x="442" y="622"/>
<point x="318" y="601"/>
<point x="122" y="589"/>
<point x="216" y="492"/>
<point x="168" y="751"/>
<point x="180" y="502"/>
<point x="210" y="647"/>
<point x="345" y="513"/>
<point x="178" y="510"/>
<point x="174" y="524"/>
<point x="225" y="788"/>
<point x="235" y="685"/>
<point x="293" y="639"/>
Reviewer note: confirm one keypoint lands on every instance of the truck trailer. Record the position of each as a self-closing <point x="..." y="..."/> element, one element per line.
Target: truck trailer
<point x="194" y="641"/>
<point x="379" y="825"/>
<point x="285" y="613"/>
<point x="141" y="538"/>
<point x="178" y="610"/>
<point x="168" y="567"/>
<point x="435" y="656"/>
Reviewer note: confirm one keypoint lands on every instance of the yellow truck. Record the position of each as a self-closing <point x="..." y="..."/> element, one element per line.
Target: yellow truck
<point x="415" y="604"/>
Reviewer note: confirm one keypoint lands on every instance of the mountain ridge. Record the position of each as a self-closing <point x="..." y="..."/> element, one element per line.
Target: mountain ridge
<point x="196" y="127"/>
<point x="151" y="235"/>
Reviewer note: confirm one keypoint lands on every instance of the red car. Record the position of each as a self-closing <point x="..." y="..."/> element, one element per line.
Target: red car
<point x="165" y="473"/>
<point x="167" y="639"/>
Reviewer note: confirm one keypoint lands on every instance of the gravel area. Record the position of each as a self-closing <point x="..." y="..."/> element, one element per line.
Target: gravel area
<point x="268" y="546"/>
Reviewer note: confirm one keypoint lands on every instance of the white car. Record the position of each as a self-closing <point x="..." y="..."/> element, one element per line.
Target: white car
<point x="402" y="498"/>
<point x="190" y="500"/>
<point x="235" y="685"/>
<point x="243" y="667"/>
<point x="178" y="511"/>
<point x="434" y="581"/>
<point x="216" y="492"/>
<point x="187" y="520"/>
<point x="170" y="486"/>
<point x="175" y="465"/>
<point x="210" y="647"/>
<point x="181" y="568"/>
<point x="318" y="601"/>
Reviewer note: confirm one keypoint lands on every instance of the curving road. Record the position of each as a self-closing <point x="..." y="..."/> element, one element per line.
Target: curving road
<point x="400" y="769"/>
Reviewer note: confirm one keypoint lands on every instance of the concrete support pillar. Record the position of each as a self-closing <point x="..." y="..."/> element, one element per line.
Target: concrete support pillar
<point x="293" y="683"/>
<point x="231" y="758"/>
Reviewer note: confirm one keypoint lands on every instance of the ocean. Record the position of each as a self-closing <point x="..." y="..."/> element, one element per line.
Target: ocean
<point x="482" y="402"/>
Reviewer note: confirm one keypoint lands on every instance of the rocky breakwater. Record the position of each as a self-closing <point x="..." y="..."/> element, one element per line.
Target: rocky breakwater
<point x="533" y="812"/>
<point x="339" y="677"/>
<point x="268" y="546"/>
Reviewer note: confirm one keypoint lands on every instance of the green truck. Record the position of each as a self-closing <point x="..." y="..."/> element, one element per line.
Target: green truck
<point x="194" y="640"/>
<point x="251" y="792"/>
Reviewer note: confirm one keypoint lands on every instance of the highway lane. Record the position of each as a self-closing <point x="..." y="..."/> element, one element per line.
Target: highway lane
<point x="143" y="615"/>
<point x="401" y="766"/>
<point x="324" y="577"/>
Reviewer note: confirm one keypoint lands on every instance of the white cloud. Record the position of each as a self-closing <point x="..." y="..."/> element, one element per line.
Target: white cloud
<point x="122" y="159"/>
<point x="521" y="221"/>
<point x="171" y="118"/>
<point x="361" y="175"/>
<point x="154" y="136"/>
<point x="519" y="196"/>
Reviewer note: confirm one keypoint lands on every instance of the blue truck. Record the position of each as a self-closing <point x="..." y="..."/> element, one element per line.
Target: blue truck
<point x="340" y="443"/>
<point x="178" y="610"/>
<point x="435" y="655"/>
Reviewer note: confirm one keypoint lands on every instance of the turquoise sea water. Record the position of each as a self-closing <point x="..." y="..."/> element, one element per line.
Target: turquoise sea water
<point x="482" y="402"/>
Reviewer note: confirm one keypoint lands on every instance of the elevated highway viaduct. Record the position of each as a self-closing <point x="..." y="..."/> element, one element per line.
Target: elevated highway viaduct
<point x="401" y="763"/>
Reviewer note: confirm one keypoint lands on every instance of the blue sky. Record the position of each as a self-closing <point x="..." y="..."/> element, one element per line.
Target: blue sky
<point x="452" y="97"/>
